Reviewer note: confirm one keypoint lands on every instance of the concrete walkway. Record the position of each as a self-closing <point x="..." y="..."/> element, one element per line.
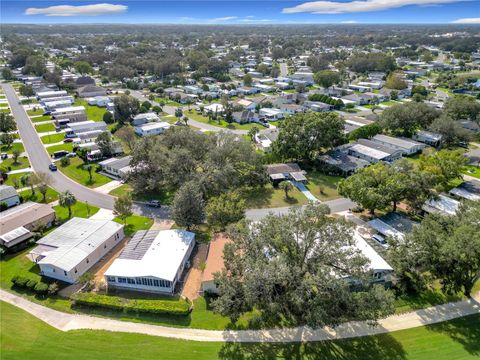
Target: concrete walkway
<point x="103" y="214"/>
<point x="303" y="189"/>
<point x="112" y="185"/>
<point x="66" y="322"/>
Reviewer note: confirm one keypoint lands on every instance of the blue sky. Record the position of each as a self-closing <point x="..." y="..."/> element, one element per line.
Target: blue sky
<point x="241" y="11"/>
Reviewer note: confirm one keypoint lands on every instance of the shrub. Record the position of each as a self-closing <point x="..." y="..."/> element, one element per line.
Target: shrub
<point x="31" y="284"/>
<point x="20" y="281"/>
<point x="169" y="307"/>
<point x="41" y="288"/>
<point x="53" y="289"/>
<point x="64" y="162"/>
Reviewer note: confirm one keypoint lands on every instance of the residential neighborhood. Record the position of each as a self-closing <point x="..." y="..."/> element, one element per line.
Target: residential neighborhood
<point x="243" y="185"/>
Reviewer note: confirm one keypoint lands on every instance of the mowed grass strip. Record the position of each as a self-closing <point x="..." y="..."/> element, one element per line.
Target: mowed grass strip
<point x="24" y="337"/>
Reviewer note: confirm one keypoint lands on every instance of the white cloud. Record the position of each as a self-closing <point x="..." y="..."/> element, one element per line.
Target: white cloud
<point x="82" y="10"/>
<point x="466" y="21"/>
<point x="225" y="18"/>
<point x="255" y="20"/>
<point x="349" y="22"/>
<point x="333" y="7"/>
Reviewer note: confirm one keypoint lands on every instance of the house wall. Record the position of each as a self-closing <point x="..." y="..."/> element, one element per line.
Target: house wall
<point x="71" y="276"/>
<point x="209" y="286"/>
<point x="12" y="201"/>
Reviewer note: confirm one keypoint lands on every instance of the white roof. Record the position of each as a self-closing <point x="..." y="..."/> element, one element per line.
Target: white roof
<point x="161" y="260"/>
<point x="72" y="242"/>
<point x="15" y="234"/>
<point x="385" y="229"/>
<point x="376" y="261"/>
<point x="153" y="126"/>
<point x="443" y="205"/>
<point x="374" y="153"/>
<point x="148" y="116"/>
<point x="70" y="109"/>
<point x="214" y="107"/>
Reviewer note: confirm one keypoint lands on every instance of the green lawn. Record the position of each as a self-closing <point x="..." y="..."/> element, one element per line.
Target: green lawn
<point x="54" y="138"/>
<point x="134" y="223"/>
<point x="4" y="110"/>
<point x="167" y="101"/>
<point x="9" y="150"/>
<point x="26" y="337"/>
<point x="67" y="146"/>
<point x="35" y="112"/>
<point x="220" y="123"/>
<point x="14" y="180"/>
<point x="270" y="197"/>
<point x="22" y="163"/>
<point x="164" y="198"/>
<point x="41" y="118"/>
<point x="50" y="196"/>
<point x="323" y="187"/>
<point x="94" y="113"/>
<point x="77" y="172"/>
<point x="471" y="170"/>
<point x="78" y="210"/>
<point x="45" y="128"/>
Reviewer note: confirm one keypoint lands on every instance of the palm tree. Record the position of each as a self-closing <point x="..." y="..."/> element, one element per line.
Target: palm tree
<point x="67" y="200"/>
<point x="253" y="132"/>
<point x="89" y="168"/>
<point x="286" y="186"/>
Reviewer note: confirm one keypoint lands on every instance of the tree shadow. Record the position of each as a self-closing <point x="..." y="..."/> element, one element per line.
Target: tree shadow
<point x="383" y="347"/>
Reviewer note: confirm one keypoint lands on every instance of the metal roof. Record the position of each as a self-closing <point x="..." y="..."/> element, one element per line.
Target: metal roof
<point x="75" y="240"/>
<point x="6" y="192"/>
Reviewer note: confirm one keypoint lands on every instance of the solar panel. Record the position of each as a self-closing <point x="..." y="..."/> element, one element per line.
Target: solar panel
<point x="138" y="245"/>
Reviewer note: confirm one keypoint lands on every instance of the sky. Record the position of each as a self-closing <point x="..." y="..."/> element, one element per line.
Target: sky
<point x="241" y="11"/>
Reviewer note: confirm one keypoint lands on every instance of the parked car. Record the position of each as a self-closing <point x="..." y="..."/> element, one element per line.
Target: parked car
<point x="68" y="140"/>
<point x="4" y="156"/>
<point x="71" y="155"/>
<point x="154" y="203"/>
<point x="59" y="154"/>
<point x="52" y="167"/>
<point x="380" y="239"/>
<point x="47" y="113"/>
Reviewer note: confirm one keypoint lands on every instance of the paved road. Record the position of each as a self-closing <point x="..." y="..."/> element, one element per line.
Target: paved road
<point x="432" y="315"/>
<point x="283" y="69"/>
<point x="39" y="160"/>
<point x="336" y="206"/>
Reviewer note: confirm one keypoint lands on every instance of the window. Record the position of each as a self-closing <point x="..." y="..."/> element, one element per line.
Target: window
<point x="122" y="280"/>
<point x="53" y="269"/>
<point x="88" y="261"/>
<point x="144" y="281"/>
<point x="149" y="282"/>
<point x="155" y="283"/>
<point x="139" y="281"/>
<point x="110" y="278"/>
<point x="104" y="246"/>
<point x="65" y="273"/>
<point x="130" y="281"/>
<point x="76" y="270"/>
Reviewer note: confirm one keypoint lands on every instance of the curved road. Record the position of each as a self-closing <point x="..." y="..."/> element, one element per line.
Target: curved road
<point x="40" y="159"/>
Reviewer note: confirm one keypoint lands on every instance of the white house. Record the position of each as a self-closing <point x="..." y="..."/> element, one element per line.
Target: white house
<point x="69" y="251"/>
<point x="9" y="196"/>
<point x="151" y="129"/>
<point x="117" y="167"/>
<point x="406" y="146"/>
<point x="152" y="261"/>
<point x="145" y="118"/>
<point x="271" y="114"/>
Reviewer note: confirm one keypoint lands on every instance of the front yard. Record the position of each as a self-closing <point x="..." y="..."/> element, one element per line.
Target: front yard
<point x="134" y="223"/>
<point x="164" y="198"/>
<point x="323" y="187"/>
<point x="9" y="150"/>
<point x="94" y="113"/>
<point x="44" y="128"/>
<point x="80" y="209"/>
<point x="22" y="163"/>
<point x="52" y="139"/>
<point x="270" y="197"/>
<point x="77" y="172"/>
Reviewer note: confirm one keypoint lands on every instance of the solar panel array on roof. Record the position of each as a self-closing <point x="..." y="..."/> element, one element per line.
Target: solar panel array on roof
<point x="138" y="245"/>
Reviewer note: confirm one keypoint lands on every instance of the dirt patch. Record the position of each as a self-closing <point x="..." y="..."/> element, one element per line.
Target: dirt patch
<point x="193" y="279"/>
<point x="104" y="263"/>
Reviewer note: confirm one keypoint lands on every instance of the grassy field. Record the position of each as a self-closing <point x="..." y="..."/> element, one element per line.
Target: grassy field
<point x="134" y="223"/>
<point x="50" y="196"/>
<point x="44" y="128"/>
<point x="22" y="163"/>
<point x="94" y="113"/>
<point x="78" y="210"/>
<point x="67" y="146"/>
<point x="35" y="112"/>
<point x="220" y="123"/>
<point x="270" y="197"/>
<point x="9" y="150"/>
<point x="323" y="187"/>
<point x="54" y="138"/>
<point x="40" y="118"/>
<point x="77" y="172"/>
<point x="25" y="337"/>
<point x="164" y="198"/>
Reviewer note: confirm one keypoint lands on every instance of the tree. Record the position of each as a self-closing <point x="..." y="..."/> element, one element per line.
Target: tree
<point x="35" y="64"/>
<point x="108" y="117"/>
<point x="157" y="109"/>
<point x="147" y="104"/>
<point x="365" y="132"/>
<point x="293" y="267"/>
<point x="178" y="113"/>
<point x="7" y="123"/>
<point x="326" y="78"/>
<point x="7" y="139"/>
<point x="89" y="168"/>
<point x="253" y="132"/>
<point x="286" y="186"/>
<point x="463" y="108"/>
<point x="303" y="136"/>
<point x="105" y="144"/>
<point x="123" y="206"/>
<point x="395" y="81"/>
<point x="127" y="135"/>
<point x="15" y="155"/>
<point x="44" y="180"/>
<point x="7" y="74"/>
<point x="31" y="180"/>
<point x="452" y="131"/>
<point x="247" y="80"/>
<point x="83" y="67"/>
<point x="444" y="165"/>
<point x="225" y="209"/>
<point x="67" y="200"/>
<point x="447" y="247"/>
<point x="87" y="280"/>
<point x="125" y="108"/>
<point x="406" y="119"/>
<point x="188" y="207"/>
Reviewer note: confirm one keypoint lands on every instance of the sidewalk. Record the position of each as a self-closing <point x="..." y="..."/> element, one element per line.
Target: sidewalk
<point x="432" y="315"/>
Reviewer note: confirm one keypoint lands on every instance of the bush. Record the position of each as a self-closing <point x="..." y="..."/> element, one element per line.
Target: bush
<point x="168" y="307"/>
<point x="31" y="284"/>
<point x="64" y="162"/>
<point x="53" y="289"/>
<point x="41" y="288"/>
<point x="20" y="281"/>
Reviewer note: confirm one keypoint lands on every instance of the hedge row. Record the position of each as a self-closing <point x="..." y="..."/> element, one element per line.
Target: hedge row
<point x="170" y="307"/>
<point x="33" y="285"/>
